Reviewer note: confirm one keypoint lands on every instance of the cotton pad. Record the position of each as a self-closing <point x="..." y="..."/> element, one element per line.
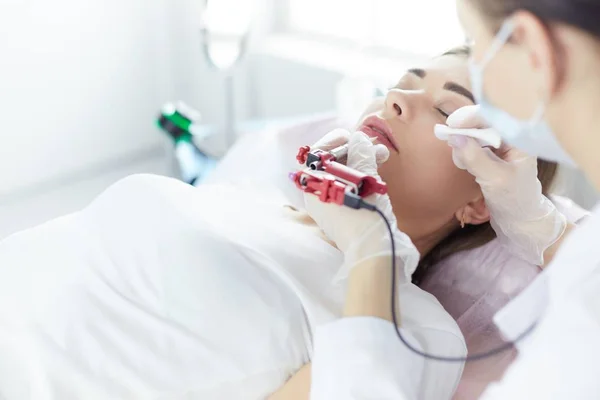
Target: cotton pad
<point x="486" y="137"/>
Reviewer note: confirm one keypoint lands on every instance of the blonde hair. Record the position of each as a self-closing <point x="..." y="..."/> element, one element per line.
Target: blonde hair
<point x="474" y="236"/>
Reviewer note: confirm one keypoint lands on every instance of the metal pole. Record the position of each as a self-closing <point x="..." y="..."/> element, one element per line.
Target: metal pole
<point x="230" y="123"/>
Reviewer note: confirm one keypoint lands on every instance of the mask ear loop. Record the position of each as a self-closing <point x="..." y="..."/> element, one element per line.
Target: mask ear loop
<point x="507" y="29"/>
<point x="538" y="115"/>
<point x="499" y="41"/>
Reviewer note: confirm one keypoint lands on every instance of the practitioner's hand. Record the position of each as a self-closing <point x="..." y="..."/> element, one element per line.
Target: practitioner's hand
<point x="525" y="221"/>
<point x="360" y="234"/>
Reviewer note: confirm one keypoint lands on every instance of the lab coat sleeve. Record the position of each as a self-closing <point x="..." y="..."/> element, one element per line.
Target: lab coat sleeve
<point x="362" y="358"/>
<point x="562" y="357"/>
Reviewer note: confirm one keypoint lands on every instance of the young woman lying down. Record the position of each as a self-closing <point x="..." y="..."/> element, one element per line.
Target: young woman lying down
<point x="159" y="290"/>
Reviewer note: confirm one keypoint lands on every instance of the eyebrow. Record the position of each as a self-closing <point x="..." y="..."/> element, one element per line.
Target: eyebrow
<point x="456" y="88"/>
<point x="451" y="86"/>
<point x="418" y="72"/>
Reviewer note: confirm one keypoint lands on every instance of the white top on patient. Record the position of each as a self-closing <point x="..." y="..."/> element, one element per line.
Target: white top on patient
<point x="159" y="290"/>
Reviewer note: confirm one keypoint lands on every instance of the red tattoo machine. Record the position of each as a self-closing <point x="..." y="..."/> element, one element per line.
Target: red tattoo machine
<point x="327" y="177"/>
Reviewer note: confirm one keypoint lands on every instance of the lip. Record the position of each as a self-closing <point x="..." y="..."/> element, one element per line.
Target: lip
<point x="374" y="126"/>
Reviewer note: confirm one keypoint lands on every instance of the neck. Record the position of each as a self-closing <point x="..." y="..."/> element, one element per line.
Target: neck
<point x="426" y="241"/>
<point x="575" y="115"/>
<point x="580" y="125"/>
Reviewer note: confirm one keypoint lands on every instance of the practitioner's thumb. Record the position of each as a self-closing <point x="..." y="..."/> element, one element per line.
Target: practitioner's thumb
<point x="362" y="154"/>
<point x="335" y="138"/>
<point x="382" y="154"/>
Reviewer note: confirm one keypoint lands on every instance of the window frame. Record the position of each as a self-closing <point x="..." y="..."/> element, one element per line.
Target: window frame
<point x="281" y="25"/>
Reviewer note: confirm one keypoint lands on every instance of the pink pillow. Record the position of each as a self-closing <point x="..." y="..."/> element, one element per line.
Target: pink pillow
<point x="473" y="285"/>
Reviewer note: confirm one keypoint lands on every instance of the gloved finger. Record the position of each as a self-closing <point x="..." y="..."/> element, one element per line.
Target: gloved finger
<point x="362" y="154"/>
<point x="479" y="161"/>
<point x="485" y="136"/>
<point x="511" y="154"/>
<point x="467" y="117"/>
<point x="470" y="117"/>
<point x="333" y="139"/>
<point x="382" y="154"/>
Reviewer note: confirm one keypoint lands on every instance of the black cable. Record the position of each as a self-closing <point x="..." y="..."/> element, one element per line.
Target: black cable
<point x="476" y="357"/>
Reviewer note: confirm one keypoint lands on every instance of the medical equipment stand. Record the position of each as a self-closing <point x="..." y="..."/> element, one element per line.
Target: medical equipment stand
<point x="228" y="41"/>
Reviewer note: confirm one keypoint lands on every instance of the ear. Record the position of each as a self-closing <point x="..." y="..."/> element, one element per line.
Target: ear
<point x="474" y="213"/>
<point x="536" y="39"/>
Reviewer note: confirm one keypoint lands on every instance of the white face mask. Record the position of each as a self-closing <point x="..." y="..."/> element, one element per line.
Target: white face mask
<point x="534" y="136"/>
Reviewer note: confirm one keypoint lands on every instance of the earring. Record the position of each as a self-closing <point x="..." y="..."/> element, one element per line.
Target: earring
<point x="462" y="221"/>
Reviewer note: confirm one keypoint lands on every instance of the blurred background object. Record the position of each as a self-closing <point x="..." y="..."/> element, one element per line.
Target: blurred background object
<point x="81" y="82"/>
<point x="226" y="29"/>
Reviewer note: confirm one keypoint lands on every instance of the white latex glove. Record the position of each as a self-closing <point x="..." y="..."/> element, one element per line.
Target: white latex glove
<point x="362" y="234"/>
<point x="525" y="220"/>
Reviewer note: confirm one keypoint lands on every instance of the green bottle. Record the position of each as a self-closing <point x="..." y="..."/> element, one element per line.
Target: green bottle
<point x="180" y="122"/>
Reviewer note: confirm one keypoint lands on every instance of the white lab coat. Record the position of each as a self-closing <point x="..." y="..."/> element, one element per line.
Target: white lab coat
<point x="362" y="358"/>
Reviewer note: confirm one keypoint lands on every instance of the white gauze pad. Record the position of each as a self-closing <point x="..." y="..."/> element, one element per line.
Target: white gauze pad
<point x="485" y="137"/>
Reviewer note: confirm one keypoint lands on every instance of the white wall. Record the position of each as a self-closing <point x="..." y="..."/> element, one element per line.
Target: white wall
<point x="283" y="88"/>
<point x="80" y="85"/>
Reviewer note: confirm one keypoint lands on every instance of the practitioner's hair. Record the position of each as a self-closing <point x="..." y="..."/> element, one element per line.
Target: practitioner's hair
<point x="582" y="14"/>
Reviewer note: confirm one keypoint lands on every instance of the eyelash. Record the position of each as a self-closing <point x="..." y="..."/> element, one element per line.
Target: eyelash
<point x="444" y="114"/>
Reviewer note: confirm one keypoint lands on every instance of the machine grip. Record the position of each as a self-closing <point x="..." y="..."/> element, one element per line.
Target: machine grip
<point x="367" y="185"/>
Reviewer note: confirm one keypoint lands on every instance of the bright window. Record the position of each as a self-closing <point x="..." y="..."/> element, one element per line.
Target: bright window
<point x="423" y="27"/>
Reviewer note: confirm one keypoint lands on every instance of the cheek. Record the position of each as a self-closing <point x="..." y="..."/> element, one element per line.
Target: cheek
<point x="424" y="179"/>
<point x="510" y="85"/>
<point x="431" y="161"/>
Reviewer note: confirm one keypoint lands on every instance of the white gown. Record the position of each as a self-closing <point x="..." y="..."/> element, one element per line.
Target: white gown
<point x="159" y="290"/>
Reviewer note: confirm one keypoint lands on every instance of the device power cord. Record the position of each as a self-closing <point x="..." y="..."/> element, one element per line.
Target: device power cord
<point x="361" y="204"/>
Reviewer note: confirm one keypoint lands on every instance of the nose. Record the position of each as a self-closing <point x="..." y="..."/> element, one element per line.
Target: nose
<point x="400" y="104"/>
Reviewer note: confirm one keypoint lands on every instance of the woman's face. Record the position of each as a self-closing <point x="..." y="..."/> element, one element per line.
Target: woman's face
<point x="427" y="190"/>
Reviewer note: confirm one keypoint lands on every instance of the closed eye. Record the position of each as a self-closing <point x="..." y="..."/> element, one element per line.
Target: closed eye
<point x="444" y="114"/>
